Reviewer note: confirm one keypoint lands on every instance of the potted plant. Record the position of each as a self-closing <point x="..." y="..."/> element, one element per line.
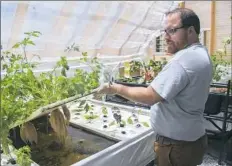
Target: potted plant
<point x="135" y="67"/>
<point x="155" y="66"/>
<point x="220" y="64"/>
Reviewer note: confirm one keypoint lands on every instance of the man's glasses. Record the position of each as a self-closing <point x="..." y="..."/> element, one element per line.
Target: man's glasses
<point x="172" y="31"/>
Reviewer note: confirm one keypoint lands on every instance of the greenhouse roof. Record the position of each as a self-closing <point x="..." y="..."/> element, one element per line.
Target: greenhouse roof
<point x="109" y="28"/>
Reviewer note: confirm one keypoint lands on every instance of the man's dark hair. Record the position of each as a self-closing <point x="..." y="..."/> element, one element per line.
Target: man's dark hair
<point x="188" y="18"/>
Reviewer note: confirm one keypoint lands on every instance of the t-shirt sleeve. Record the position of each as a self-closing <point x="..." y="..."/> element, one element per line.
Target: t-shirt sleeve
<point x="170" y="81"/>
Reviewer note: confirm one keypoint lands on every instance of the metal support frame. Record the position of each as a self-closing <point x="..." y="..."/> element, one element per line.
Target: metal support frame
<point x="223" y="134"/>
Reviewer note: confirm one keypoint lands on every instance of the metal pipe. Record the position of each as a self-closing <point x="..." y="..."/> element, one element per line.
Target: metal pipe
<point x="49" y="108"/>
<point x="212" y="29"/>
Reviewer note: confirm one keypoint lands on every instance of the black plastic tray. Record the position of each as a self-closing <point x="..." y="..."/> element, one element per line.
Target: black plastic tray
<point x="120" y="100"/>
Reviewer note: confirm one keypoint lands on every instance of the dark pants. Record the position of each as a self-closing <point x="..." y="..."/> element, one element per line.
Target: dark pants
<point x="171" y="152"/>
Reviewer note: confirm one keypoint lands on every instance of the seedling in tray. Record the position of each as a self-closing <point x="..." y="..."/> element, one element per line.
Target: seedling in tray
<point x="90" y="116"/>
<point x="115" y="110"/>
<point x="117" y="117"/>
<point x="136" y="119"/>
<point x="104" y="111"/>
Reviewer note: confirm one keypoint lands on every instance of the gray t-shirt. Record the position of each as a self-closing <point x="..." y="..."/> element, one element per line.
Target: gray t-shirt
<point x="184" y="84"/>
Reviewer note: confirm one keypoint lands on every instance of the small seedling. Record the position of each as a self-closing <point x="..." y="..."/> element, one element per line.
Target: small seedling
<point x="112" y="123"/>
<point x="145" y="124"/>
<point x="129" y="120"/>
<point x="121" y="125"/>
<point x="104" y="110"/>
<point x="117" y="117"/>
<point x="123" y="122"/>
<point x="88" y="107"/>
<point x="82" y="103"/>
<point x="114" y="109"/>
<point x="91" y="116"/>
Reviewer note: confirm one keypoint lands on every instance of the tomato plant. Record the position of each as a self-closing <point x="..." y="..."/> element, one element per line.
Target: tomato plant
<point x="22" y="92"/>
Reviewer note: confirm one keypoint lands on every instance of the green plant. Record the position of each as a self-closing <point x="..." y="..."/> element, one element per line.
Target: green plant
<point x="155" y="66"/>
<point x="91" y="116"/>
<point x="24" y="156"/>
<point x="22" y="92"/>
<point x="145" y="124"/>
<point x="104" y="110"/>
<point x="112" y="123"/>
<point x="129" y="120"/>
<point x="218" y="58"/>
<point x="85" y="106"/>
<point x="123" y="122"/>
<point x="88" y="107"/>
<point x="73" y="47"/>
<point x="19" y="98"/>
<point x="27" y="41"/>
<point x="135" y="66"/>
<point x="63" y="63"/>
<point x="85" y="81"/>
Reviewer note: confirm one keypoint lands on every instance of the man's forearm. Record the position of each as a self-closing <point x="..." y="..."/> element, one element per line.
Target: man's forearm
<point x="138" y="94"/>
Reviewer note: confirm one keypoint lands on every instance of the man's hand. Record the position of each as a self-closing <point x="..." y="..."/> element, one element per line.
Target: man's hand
<point x="137" y="94"/>
<point x="107" y="89"/>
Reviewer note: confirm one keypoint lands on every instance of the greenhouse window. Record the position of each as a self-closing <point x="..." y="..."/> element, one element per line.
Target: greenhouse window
<point x="160" y="44"/>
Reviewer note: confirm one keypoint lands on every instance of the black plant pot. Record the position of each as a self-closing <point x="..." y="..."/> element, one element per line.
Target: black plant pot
<point x="213" y="104"/>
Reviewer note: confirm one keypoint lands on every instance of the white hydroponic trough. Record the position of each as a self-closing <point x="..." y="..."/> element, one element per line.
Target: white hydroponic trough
<point x="134" y="147"/>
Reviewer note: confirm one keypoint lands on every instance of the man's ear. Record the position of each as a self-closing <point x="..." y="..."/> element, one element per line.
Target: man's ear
<point x="191" y="30"/>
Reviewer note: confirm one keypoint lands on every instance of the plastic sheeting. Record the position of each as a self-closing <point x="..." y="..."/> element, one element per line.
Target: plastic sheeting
<point x="134" y="152"/>
<point x="137" y="151"/>
<point x="109" y="29"/>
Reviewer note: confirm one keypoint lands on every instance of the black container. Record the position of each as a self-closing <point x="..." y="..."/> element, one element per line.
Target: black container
<point x="121" y="100"/>
<point x="213" y="104"/>
<point x="132" y="84"/>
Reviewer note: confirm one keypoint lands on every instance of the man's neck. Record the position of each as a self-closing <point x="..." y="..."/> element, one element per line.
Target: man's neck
<point x="195" y="42"/>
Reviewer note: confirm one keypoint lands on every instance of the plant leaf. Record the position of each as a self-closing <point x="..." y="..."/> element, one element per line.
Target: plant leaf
<point x="87" y="107"/>
<point x="124" y="122"/>
<point x="112" y="123"/>
<point x="145" y="124"/>
<point x="16" y="45"/>
<point x="82" y="103"/>
<point x="129" y="120"/>
<point x="139" y="111"/>
<point x="91" y="116"/>
<point x="31" y="42"/>
<point x="104" y="110"/>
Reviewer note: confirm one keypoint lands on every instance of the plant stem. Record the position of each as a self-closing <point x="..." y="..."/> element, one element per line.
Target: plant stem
<point x="25" y="55"/>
